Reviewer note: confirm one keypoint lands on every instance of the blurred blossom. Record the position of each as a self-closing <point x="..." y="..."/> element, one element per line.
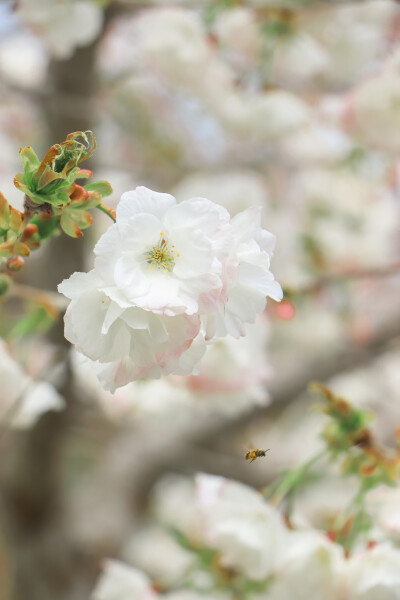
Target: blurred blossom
<point x="313" y="568"/>
<point x="383" y="504"/>
<point x="191" y="595"/>
<point x="238" y="522"/>
<point x="173" y="44"/>
<point x="155" y="551"/>
<point x="238" y="37"/>
<point x="63" y="25"/>
<point x="234" y="373"/>
<point x="23" y="400"/>
<point x="376" y="387"/>
<point x="120" y="582"/>
<point x="318" y="504"/>
<point x="353" y="36"/>
<point x="374" y="574"/>
<point x="175" y="506"/>
<point x="317" y="144"/>
<point x="346" y="234"/>
<point x="235" y="190"/>
<point x="374" y="107"/>
<point x="23" y="61"/>
<point x="277" y="113"/>
<point x="298" y="60"/>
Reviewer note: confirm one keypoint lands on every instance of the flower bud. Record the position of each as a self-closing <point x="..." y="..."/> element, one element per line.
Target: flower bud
<point x="29" y="231"/>
<point x="15" y="263"/>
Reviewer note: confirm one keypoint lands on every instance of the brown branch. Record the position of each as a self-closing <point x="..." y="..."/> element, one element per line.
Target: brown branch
<point x="349" y="275"/>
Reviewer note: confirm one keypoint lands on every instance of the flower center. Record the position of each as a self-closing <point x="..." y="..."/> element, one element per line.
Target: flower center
<point x="162" y="256"/>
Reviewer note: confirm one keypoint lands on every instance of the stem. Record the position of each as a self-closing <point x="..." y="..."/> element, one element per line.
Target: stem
<point x="291" y="479"/>
<point x="355" y="503"/>
<point x="107" y="211"/>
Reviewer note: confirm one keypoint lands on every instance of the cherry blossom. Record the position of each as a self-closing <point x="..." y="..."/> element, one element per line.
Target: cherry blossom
<point x="168" y="277"/>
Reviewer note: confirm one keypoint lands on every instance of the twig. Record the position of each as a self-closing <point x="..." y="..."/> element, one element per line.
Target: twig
<point x="349" y="275"/>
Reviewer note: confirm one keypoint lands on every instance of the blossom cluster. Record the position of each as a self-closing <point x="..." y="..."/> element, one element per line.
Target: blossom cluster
<point x="63" y="25"/>
<point x="23" y="400"/>
<point x="217" y="538"/>
<point x="168" y="279"/>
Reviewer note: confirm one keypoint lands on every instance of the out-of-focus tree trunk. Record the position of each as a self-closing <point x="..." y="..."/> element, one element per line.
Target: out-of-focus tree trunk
<point x="46" y="563"/>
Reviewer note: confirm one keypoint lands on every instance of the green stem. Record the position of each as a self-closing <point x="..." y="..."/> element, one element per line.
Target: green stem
<point x="106" y="211"/>
<point x="291" y="479"/>
<point x="355" y="504"/>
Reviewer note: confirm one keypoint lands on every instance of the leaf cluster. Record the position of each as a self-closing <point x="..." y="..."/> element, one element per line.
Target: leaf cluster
<point x="50" y="186"/>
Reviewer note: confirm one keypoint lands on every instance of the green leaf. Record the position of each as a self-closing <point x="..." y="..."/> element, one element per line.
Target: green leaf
<point x="73" y="221"/>
<point x="6" y="249"/>
<point x="4" y="213"/>
<point x="38" y="319"/>
<point x="47" y="227"/>
<point x="16" y="221"/>
<point x="101" y="187"/>
<point x="30" y="161"/>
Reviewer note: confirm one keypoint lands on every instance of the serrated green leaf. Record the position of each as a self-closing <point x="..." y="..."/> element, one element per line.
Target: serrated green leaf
<point x="101" y="187"/>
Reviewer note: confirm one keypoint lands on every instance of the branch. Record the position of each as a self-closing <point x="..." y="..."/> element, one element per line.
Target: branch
<point x="349" y="276"/>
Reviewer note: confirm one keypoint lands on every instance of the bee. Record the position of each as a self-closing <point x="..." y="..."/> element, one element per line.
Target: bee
<point x="256" y="453"/>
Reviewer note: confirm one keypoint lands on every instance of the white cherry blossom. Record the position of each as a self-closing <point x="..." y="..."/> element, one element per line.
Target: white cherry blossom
<point x="248" y="280"/>
<point x="128" y="342"/>
<point x="163" y="256"/>
<point x="167" y="278"/>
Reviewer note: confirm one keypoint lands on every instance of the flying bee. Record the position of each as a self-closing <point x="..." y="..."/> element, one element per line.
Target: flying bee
<point x="251" y="455"/>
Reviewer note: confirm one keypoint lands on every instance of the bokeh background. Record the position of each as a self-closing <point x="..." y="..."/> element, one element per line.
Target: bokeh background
<point x="289" y="104"/>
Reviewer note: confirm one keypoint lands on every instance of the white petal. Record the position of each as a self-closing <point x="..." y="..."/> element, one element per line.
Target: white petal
<point x="79" y="283"/>
<point x="143" y="200"/>
<point x="113" y="312"/>
<point x="131" y="277"/>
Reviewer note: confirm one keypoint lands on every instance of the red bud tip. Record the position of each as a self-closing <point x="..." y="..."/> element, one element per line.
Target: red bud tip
<point x="78" y="193"/>
<point x="331" y="535"/>
<point x="29" y="231"/>
<point x="85" y="173"/>
<point x="15" y="263"/>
